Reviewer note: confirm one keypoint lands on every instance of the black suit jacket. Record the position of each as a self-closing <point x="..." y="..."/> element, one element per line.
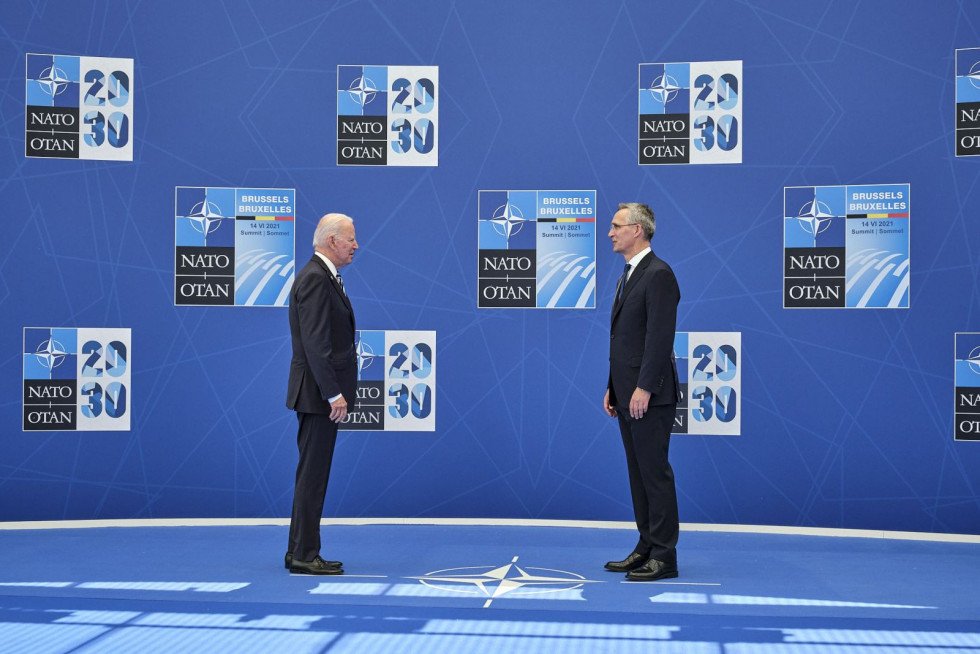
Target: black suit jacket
<point x="321" y="322"/>
<point x="641" y="338"/>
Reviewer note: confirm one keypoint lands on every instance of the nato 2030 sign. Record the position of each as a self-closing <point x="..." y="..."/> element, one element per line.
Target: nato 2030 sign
<point x="536" y="249"/>
<point x="234" y="246"/>
<point x="967" y="382"/>
<point x="387" y="115"/>
<point x="968" y="102"/>
<point x="690" y="113"/>
<point x="77" y="379"/>
<point x="846" y="246"/>
<point x="396" y="382"/>
<point x="710" y="374"/>
<point x="79" y="107"/>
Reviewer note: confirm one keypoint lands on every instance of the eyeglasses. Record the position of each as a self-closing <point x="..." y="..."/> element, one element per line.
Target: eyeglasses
<point x="617" y="226"/>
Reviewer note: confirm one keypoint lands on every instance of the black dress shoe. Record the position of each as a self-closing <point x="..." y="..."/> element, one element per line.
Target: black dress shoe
<point x="315" y="567"/>
<point x="332" y="564"/>
<point x="631" y="562"/>
<point x="653" y="570"/>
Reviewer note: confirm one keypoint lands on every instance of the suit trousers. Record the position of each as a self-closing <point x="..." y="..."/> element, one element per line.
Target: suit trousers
<point x="316" y="438"/>
<point x="647" y="442"/>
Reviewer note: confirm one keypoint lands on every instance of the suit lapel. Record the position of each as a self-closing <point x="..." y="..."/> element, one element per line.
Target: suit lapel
<point x="631" y="283"/>
<point x="336" y="286"/>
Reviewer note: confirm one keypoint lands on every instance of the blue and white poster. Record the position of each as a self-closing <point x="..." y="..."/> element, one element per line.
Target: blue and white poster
<point x="846" y="246"/>
<point x="387" y="115"/>
<point x="967" y="382"/>
<point x="77" y="379"/>
<point x="79" y="107"/>
<point x="396" y="381"/>
<point x="690" y="113"/>
<point x="537" y="249"/>
<point x="710" y="374"/>
<point x="234" y="246"/>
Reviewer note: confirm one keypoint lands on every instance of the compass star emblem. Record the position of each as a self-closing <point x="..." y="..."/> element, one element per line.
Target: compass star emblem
<point x="365" y="356"/>
<point x="815" y="216"/>
<point x="363" y="90"/>
<point x="205" y="217"/>
<point x="664" y="88"/>
<point x="510" y="579"/>
<point x="50" y="353"/>
<point x="53" y="80"/>
<point x="974" y="75"/>
<point x="974" y="360"/>
<point x="507" y="220"/>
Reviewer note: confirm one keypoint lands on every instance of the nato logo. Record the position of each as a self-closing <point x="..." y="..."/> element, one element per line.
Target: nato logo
<point x="967" y="386"/>
<point x="79" y="107"/>
<point x="233" y="246"/>
<point x="387" y="115"/>
<point x="536" y="249"/>
<point x="968" y="102"/>
<point x="813" y="240"/>
<point x="710" y="375"/>
<point x="690" y="113"/>
<point x="368" y="412"/>
<point x="396" y="381"/>
<point x="76" y="379"/>
<point x="488" y="583"/>
<point x="846" y="246"/>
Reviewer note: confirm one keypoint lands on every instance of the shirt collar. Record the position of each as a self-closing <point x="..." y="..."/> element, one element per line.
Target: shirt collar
<point x="332" y="268"/>
<point x="638" y="258"/>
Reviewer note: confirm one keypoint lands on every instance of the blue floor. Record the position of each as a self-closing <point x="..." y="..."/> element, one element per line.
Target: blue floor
<point x="415" y="588"/>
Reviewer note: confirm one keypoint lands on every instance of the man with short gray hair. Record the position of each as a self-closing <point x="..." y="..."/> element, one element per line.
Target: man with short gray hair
<point x="643" y="390"/>
<point x="322" y="382"/>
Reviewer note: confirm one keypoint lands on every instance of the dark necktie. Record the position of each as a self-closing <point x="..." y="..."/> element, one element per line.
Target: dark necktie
<point x="622" y="284"/>
<point x="341" y="282"/>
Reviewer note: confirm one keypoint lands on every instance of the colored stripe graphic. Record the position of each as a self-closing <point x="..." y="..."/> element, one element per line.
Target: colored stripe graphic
<point x="566" y="220"/>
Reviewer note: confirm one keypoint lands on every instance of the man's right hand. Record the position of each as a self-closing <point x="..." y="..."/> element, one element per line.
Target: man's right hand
<point x="608" y="407"/>
<point x="338" y="409"/>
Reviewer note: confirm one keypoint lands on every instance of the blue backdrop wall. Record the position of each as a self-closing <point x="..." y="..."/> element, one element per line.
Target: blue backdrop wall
<point x="847" y="415"/>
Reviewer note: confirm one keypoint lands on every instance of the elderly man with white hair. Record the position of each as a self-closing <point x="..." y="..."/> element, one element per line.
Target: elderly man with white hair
<point x="322" y="382"/>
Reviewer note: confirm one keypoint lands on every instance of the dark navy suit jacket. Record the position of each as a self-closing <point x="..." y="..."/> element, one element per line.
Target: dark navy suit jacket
<point x="641" y="338"/>
<point x="321" y="322"/>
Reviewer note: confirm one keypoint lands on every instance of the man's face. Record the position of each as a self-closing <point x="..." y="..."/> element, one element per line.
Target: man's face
<point x="622" y="234"/>
<point x="343" y="244"/>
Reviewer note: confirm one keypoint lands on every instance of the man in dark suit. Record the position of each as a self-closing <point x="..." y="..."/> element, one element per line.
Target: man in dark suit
<point x="322" y="382"/>
<point x="643" y="390"/>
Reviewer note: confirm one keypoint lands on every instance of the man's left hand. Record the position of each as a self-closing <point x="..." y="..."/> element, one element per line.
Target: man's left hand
<point x="338" y="410"/>
<point x="639" y="403"/>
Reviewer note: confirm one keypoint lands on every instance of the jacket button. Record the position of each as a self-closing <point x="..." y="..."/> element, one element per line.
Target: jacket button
<point x="612" y="337"/>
